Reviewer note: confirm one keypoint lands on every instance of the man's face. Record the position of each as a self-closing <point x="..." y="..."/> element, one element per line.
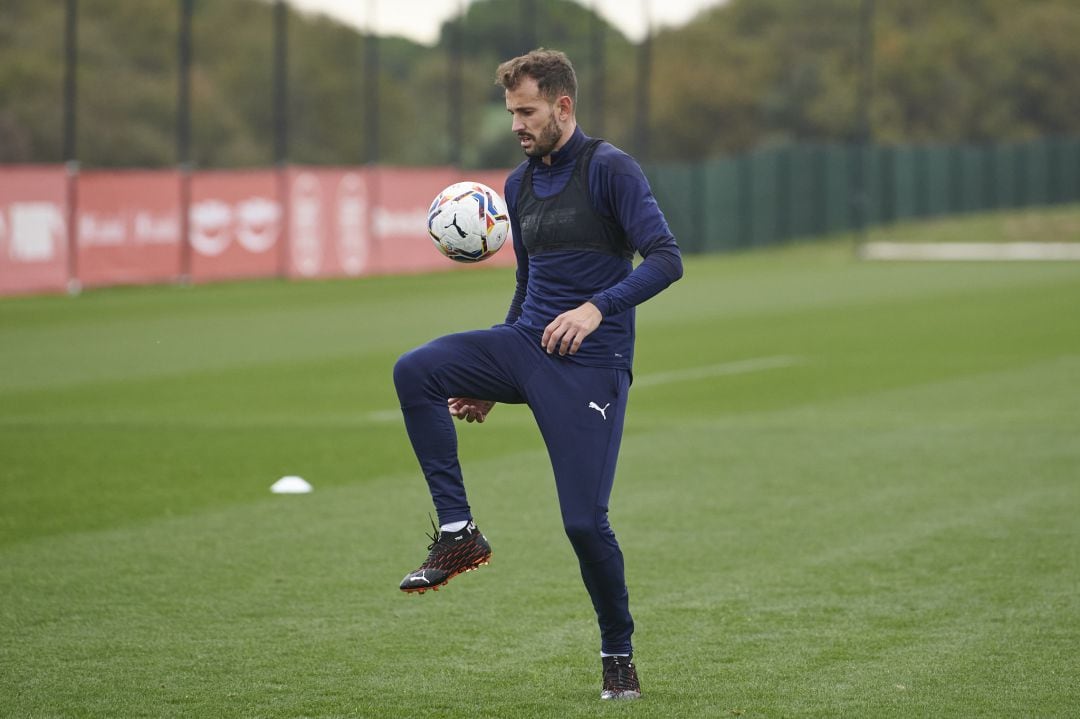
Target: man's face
<point x="538" y="123"/>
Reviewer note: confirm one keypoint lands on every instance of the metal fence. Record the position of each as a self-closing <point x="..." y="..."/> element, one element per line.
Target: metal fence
<point x="772" y="195"/>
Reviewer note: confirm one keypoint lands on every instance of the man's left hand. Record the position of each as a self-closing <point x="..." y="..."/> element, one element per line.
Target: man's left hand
<point x="469" y="408"/>
<point x="566" y="332"/>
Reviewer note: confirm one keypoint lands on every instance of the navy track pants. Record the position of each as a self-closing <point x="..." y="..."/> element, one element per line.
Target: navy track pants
<point x="579" y="411"/>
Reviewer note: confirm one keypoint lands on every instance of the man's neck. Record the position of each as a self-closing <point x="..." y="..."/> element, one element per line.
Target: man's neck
<point x="568" y="132"/>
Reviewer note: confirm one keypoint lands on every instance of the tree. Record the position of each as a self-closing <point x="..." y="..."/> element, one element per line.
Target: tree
<point x="741" y="74"/>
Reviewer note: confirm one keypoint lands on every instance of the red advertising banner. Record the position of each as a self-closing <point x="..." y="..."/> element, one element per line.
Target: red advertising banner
<point x="329" y="222"/>
<point x="399" y="212"/>
<point x="33" y="229"/>
<point x="371" y="221"/>
<point x="402" y="201"/>
<point x="235" y="225"/>
<point x="128" y="227"/>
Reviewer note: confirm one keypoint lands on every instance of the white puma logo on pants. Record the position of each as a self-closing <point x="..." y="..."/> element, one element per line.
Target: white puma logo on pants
<point x="598" y="408"/>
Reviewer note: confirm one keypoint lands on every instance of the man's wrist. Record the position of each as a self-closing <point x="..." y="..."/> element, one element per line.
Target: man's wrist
<point x="602" y="305"/>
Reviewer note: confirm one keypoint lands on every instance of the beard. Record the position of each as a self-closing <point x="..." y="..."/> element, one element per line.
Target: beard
<point x="545" y="143"/>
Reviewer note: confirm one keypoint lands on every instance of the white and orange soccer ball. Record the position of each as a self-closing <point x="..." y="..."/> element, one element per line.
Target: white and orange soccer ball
<point x="468" y="222"/>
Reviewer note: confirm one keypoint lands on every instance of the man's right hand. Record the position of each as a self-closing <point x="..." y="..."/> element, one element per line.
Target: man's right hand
<point x="470" y="409"/>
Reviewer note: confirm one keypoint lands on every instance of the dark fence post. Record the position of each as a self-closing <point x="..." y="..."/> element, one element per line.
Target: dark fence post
<point x="644" y="81"/>
<point x="597" y="47"/>
<point x="71" y="158"/>
<point x="528" y="26"/>
<point x="859" y="197"/>
<point x="281" y="127"/>
<point x="784" y="196"/>
<point x="745" y="193"/>
<point x="183" y="136"/>
<point x="453" y="85"/>
<point x="371" y="94"/>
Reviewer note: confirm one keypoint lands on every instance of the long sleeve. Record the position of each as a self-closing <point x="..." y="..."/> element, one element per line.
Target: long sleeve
<point x="656" y="272"/>
<point x="621" y="191"/>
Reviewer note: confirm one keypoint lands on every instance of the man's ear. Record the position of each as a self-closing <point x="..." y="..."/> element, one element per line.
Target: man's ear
<point x="566" y="107"/>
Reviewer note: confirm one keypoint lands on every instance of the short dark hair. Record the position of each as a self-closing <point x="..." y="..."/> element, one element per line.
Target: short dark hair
<point x="551" y="69"/>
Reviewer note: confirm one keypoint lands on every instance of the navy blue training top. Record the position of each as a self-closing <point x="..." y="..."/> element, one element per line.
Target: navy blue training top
<point x="551" y="283"/>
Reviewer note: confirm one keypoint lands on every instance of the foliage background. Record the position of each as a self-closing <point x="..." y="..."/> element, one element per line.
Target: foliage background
<point x="739" y="75"/>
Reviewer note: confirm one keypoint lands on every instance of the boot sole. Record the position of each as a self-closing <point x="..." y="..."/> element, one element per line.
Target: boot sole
<point x="435" y="587"/>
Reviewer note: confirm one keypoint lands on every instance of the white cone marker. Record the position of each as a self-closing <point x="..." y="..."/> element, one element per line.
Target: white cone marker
<point x="290" y="485"/>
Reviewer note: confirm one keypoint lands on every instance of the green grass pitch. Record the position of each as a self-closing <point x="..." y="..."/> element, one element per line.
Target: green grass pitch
<point x="846" y="490"/>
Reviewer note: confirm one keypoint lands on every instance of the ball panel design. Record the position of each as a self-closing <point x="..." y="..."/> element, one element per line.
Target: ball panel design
<point x="468" y="222"/>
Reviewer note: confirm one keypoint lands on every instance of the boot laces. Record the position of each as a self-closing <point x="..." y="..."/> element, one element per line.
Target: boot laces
<point x="619" y="674"/>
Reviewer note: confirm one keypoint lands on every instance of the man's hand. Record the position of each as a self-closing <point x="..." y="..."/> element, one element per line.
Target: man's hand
<point x="469" y="409"/>
<point x="566" y="332"/>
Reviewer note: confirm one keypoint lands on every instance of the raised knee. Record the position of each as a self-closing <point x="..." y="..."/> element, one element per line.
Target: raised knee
<point x="402" y="368"/>
<point x="410" y="369"/>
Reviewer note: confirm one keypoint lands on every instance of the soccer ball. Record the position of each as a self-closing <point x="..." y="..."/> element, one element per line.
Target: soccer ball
<point x="468" y="222"/>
